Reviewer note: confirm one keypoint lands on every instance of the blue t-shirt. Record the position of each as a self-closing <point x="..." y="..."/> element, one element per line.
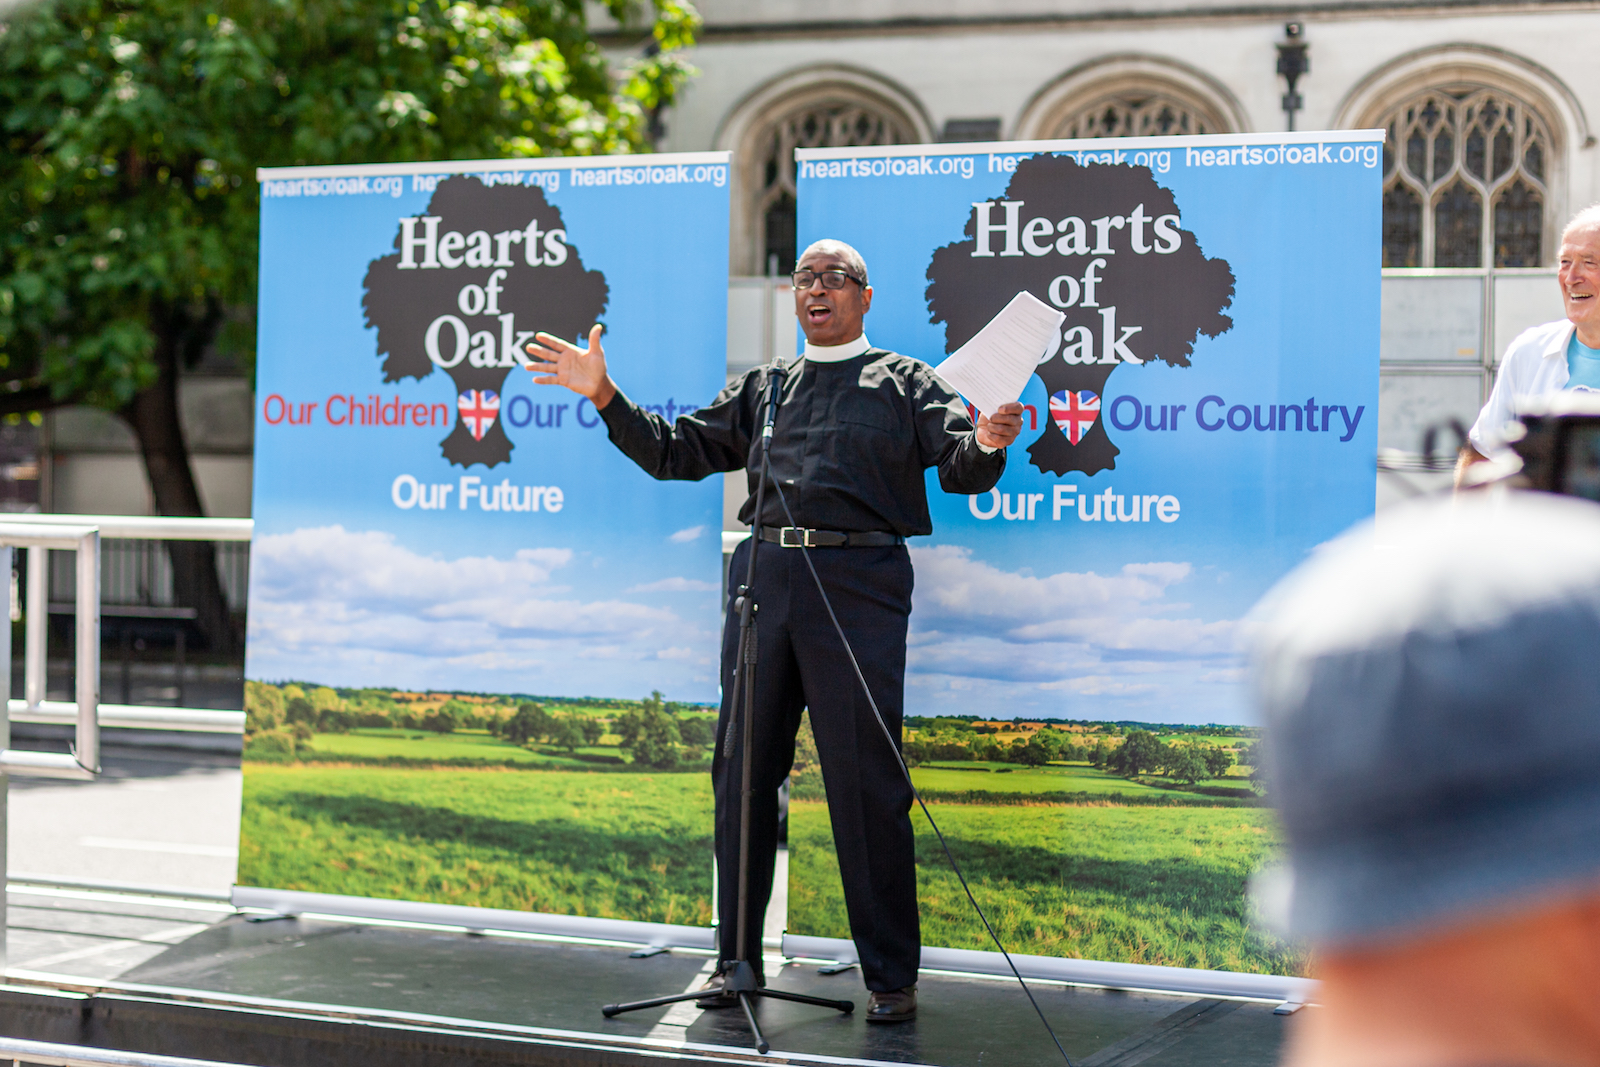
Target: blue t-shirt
<point x="1583" y="364"/>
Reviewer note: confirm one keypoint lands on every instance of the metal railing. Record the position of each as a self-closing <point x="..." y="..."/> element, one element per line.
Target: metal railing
<point x="52" y="1054"/>
<point x="118" y="529"/>
<point x="83" y="540"/>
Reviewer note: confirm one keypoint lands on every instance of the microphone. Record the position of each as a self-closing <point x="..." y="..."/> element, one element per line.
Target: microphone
<point x="776" y="375"/>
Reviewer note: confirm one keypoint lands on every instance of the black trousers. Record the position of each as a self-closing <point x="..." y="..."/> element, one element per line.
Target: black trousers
<point x="803" y="665"/>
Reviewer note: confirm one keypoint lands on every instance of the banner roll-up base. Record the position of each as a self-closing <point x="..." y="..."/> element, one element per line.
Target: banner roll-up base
<point x="1129" y="976"/>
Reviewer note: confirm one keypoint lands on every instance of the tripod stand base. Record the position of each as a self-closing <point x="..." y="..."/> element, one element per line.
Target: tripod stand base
<point x="740" y="982"/>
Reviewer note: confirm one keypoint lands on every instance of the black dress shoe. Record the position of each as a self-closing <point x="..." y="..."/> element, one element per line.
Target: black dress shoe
<point x="896" y="1006"/>
<point x="713" y="996"/>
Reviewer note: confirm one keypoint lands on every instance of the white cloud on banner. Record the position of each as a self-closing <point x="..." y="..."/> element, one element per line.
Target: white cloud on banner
<point x="676" y="585"/>
<point x="1119" y="636"/>
<point x="332" y="598"/>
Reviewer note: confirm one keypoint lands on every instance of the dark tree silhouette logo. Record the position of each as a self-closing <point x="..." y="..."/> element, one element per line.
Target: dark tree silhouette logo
<point x="1104" y="243"/>
<point x="469" y="283"/>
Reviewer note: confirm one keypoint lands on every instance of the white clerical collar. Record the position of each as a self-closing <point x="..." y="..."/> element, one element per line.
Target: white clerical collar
<point x="837" y="353"/>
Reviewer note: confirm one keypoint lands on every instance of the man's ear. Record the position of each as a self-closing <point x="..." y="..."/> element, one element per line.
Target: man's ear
<point x="866" y="299"/>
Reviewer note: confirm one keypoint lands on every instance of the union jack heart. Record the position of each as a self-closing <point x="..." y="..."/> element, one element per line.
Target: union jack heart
<point x="479" y="408"/>
<point x="1075" y="412"/>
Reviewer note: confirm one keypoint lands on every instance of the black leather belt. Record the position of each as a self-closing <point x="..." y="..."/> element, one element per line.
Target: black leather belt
<point x="800" y="537"/>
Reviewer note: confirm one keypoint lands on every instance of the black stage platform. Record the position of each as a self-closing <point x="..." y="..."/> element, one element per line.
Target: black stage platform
<point x="311" y="991"/>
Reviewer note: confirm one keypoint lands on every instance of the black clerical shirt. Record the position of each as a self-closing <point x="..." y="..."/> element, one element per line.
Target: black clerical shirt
<point x="850" y="444"/>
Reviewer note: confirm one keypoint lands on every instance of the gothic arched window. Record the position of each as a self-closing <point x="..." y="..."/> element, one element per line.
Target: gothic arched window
<point x="1140" y="112"/>
<point x="838" y="124"/>
<point x="1464" y="180"/>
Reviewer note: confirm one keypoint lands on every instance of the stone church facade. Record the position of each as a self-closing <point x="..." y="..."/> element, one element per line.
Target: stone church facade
<point x="1487" y="107"/>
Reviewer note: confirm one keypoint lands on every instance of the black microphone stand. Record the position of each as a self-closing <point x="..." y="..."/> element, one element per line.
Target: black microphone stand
<point x="741" y="981"/>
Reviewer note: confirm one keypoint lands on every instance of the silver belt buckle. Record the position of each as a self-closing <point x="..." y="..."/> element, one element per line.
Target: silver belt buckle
<point x="802" y="538"/>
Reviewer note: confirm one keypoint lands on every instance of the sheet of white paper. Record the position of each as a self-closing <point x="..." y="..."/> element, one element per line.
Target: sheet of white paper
<point x="994" y="366"/>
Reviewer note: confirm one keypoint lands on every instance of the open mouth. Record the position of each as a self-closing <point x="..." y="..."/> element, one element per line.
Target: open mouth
<point x="817" y="314"/>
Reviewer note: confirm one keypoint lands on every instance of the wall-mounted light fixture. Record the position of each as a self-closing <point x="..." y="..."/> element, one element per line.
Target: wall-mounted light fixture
<point x="1292" y="63"/>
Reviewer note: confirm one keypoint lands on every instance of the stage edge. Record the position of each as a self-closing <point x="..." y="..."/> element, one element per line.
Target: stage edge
<point x="1266" y="987"/>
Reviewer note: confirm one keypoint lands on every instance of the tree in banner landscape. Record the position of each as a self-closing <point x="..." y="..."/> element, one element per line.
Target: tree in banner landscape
<point x="1104" y="841"/>
<point x="574" y="806"/>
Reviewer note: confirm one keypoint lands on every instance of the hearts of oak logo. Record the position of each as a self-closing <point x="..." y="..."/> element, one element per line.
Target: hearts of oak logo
<point x="469" y="283"/>
<point x="1103" y="243"/>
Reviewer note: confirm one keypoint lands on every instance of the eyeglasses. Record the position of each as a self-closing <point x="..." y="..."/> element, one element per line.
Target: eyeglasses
<point x="833" y="278"/>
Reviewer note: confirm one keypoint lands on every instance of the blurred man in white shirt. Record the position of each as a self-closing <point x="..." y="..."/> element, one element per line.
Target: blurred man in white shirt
<point x="1564" y="354"/>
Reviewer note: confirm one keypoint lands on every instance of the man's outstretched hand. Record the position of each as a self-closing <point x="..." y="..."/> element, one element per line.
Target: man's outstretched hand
<point x="583" y="370"/>
<point x="1001" y="428"/>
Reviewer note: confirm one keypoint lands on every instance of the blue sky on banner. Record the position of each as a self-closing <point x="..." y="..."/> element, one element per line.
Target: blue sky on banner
<point x="1225" y="463"/>
<point x="557" y="569"/>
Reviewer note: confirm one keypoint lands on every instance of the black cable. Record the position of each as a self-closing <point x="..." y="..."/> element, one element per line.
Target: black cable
<point x="894" y="745"/>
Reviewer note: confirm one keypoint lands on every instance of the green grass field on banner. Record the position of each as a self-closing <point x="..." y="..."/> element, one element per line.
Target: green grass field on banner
<point x="1047" y="783"/>
<point x="396" y="746"/>
<point x="1069" y="860"/>
<point x="571" y="808"/>
<point x="634" y="846"/>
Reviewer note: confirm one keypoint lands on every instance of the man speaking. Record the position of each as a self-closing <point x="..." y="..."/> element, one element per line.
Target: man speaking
<point x="856" y="428"/>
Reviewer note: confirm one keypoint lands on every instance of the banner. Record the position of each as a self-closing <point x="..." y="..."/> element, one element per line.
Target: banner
<point x="482" y="647"/>
<point x="1207" y="416"/>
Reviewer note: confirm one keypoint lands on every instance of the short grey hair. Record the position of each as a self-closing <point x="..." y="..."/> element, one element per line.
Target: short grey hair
<point x="1587" y="219"/>
<point x="829" y="247"/>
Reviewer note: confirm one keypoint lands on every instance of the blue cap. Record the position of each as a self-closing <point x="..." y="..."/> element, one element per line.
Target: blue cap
<point x="1430" y="685"/>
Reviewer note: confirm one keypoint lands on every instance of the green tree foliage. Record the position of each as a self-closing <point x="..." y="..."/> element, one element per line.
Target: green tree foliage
<point x="935" y="747"/>
<point x="324" y="699"/>
<point x="656" y="745"/>
<point x="468" y="716"/>
<point x="650" y="733"/>
<point x="263" y="707"/>
<point x="530" y="723"/>
<point x="1185" y="763"/>
<point x="131" y="134"/>
<point x="697" y="731"/>
<point x="945" y="722"/>
<point x="1218" y="760"/>
<point x="566" y="733"/>
<point x="274" y="745"/>
<point x="632" y="720"/>
<point x="593" y="730"/>
<point x="806" y="756"/>
<point x="442" y="720"/>
<point x="337" y="721"/>
<point x="298" y="709"/>
<point x="1139" y="752"/>
<point x="1033" y="751"/>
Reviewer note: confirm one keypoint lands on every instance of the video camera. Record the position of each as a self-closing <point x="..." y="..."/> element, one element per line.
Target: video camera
<point x="1557" y="440"/>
